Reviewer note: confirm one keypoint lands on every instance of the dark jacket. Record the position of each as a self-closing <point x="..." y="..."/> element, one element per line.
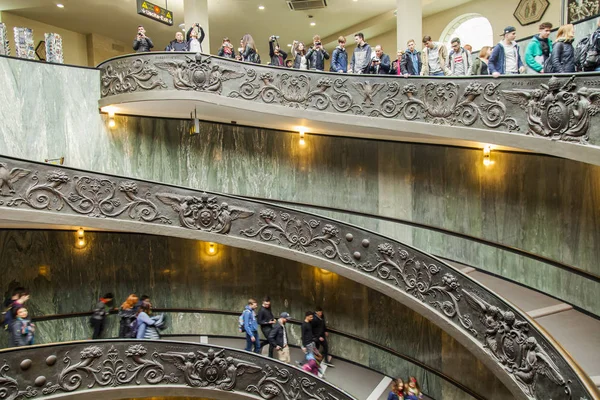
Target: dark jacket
<point x="394" y="67"/>
<point x="339" y="60"/>
<point x="100" y="311"/>
<point x="126" y="317"/>
<point x="265" y="316"/>
<point x="221" y="53"/>
<point x="563" y="57"/>
<point x="307" y="335"/>
<point x="479" y="67"/>
<point x="497" y="61"/>
<point x="383" y="67"/>
<point x="22" y="332"/>
<point x="319" y="327"/>
<point x="393" y="396"/>
<point x="188" y="37"/>
<point x="297" y="61"/>
<point x="276" y="336"/>
<point x="174" y="45"/>
<point x="277" y="60"/>
<point x="143" y="45"/>
<point x="250" y="55"/>
<point x="316" y="59"/>
<point x="407" y="65"/>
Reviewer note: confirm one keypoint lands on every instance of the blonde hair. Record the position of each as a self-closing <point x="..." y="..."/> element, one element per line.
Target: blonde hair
<point x="567" y="31"/>
<point x="341" y="39"/>
<point x="484" y="50"/>
<point x="316" y="38"/>
<point x="247" y="40"/>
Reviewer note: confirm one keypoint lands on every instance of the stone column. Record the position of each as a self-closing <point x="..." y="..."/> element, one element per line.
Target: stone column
<point x="197" y="11"/>
<point x="409" y="23"/>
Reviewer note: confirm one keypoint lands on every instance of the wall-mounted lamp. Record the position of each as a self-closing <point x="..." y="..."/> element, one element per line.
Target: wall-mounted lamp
<point x="80" y="242"/>
<point x="487" y="156"/>
<point x="212" y="249"/>
<point x="302" y="133"/>
<point x="110" y="110"/>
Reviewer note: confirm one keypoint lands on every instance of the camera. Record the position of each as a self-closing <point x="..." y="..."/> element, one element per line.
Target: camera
<point x="317" y="43"/>
<point x="376" y="59"/>
<point x="274" y="37"/>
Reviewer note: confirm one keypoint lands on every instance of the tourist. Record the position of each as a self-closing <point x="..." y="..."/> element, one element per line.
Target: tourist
<point x="127" y="316"/>
<point x="413" y="391"/>
<point x="317" y="55"/>
<point x="480" y="64"/>
<point x="299" y="52"/>
<point x="178" y="44"/>
<point x="266" y="321"/>
<point x="289" y="63"/>
<point x="145" y="323"/>
<point x="459" y="59"/>
<point x="194" y="42"/>
<point x="142" y="43"/>
<point x="396" y="390"/>
<point x="339" y="57"/>
<point x="434" y="58"/>
<point x="19" y="296"/>
<point x="380" y="64"/>
<point x="22" y="329"/>
<point x="99" y="314"/>
<point x="538" y="50"/>
<point x="308" y="344"/>
<point x="411" y="61"/>
<point x="563" y="53"/>
<point x="396" y="67"/>
<point x="250" y="327"/>
<point x="248" y="50"/>
<point x="226" y="49"/>
<point x="505" y="58"/>
<point x="320" y="334"/>
<point x="278" y="338"/>
<point x="361" y="57"/>
<point x="277" y="55"/>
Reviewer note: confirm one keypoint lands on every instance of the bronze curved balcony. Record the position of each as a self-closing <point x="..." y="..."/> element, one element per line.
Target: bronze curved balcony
<point x="120" y="368"/>
<point x="529" y="362"/>
<point x="552" y="115"/>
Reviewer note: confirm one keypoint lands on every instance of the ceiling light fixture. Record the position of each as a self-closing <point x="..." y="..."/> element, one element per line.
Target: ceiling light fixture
<point x="313" y="23"/>
<point x="301" y="141"/>
<point x="289" y="45"/>
<point x="487" y="156"/>
<point x="60" y="5"/>
<point x="261" y="7"/>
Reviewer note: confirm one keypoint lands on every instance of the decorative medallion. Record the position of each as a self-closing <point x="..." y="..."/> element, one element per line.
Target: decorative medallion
<point x="530" y="11"/>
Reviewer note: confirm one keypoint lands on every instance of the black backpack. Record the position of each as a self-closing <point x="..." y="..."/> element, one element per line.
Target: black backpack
<point x="586" y="53"/>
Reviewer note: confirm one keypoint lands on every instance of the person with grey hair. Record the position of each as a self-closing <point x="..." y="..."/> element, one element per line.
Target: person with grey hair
<point x="380" y="64"/>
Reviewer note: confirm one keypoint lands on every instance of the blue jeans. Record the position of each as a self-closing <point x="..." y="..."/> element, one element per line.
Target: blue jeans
<point x="250" y="344"/>
<point x="439" y="73"/>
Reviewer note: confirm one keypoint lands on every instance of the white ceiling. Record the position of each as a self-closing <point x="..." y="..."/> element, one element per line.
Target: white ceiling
<point x="118" y="19"/>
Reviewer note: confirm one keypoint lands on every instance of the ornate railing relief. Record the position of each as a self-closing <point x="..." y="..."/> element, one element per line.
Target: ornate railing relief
<point x="559" y="108"/>
<point x="518" y="349"/>
<point x="51" y="370"/>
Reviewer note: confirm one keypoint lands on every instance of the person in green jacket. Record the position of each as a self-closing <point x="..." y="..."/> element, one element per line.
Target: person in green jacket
<point x="538" y="50"/>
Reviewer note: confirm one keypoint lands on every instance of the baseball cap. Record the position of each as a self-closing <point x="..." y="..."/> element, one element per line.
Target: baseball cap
<point x="508" y="29"/>
<point x="284" y="315"/>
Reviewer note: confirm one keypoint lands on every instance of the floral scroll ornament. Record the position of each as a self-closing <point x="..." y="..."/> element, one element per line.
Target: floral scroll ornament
<point x="96" y="197"/>
<point x="128" y="77"/>
<point x="440" y="104"/>
<point x="9" y="388"/>
<point x="279" y="383"/>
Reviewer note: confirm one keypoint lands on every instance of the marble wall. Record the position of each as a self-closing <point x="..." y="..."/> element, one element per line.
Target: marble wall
<point x="178" y="273"/>
<point x="541" y="204"/>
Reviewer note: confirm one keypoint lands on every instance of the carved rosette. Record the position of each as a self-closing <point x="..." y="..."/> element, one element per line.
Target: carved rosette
<point x="523" y="352"/>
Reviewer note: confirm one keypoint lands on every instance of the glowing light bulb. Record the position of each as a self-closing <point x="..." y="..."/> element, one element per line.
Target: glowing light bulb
<point x="261" y="7"/>
<point x="81" y="242"/>
<point x="111" y="123"/>
<point x="487" y="156"/>
<point x="80" y="232"/>
<point x="211" y="248"/>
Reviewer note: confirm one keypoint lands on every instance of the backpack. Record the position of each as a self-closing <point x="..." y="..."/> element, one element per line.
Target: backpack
<point x="586" y="54"/>
<point x="241" y="322"/>
<point x="133" y="327"/>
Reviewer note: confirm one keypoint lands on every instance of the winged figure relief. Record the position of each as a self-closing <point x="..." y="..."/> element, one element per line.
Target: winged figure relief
<point x="192" y="74"/>
<point x="10" y="177"/>
<point x="203" y="212"/>
<point x="235" y="368"/>
<point x="558" y="110"/>
<point x="536" y="362"/>
<point x="368" y="90"/>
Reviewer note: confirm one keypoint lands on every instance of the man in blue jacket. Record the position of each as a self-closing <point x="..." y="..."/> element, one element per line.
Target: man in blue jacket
<point x="251" y="327"/>
<point x="505" y="58"/>
<point x="339" y="57"/>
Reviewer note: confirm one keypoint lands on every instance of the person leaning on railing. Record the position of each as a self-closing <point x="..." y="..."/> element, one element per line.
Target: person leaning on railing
<point x="317" y="55"/>
<point x="563" y="53"/>
<point x="339" y="57"/>
<point x="480" y="64"/>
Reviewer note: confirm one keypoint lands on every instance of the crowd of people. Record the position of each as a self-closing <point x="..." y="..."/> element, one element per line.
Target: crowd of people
<point x="541" y="56"/>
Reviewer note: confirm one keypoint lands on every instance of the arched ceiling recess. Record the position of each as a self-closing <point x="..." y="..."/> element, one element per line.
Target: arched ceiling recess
<point x="114" y="369"/>
<point x="529" y="362"/>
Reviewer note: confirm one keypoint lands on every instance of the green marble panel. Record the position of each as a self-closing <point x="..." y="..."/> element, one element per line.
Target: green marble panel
<point x="179" y="273"/>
